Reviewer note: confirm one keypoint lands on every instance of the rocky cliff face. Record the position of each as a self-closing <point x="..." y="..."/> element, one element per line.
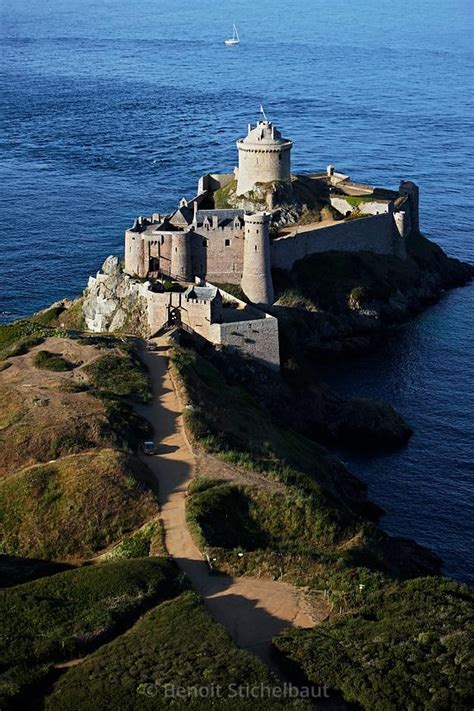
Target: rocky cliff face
<point x="113" y="301"/>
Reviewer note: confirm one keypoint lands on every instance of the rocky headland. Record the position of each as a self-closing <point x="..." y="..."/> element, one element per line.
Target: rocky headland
<point x="82" y="527"/>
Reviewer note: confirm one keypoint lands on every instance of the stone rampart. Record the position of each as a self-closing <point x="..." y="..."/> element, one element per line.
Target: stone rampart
<point x="255" y="337"/>
<point x="376" y="234"/>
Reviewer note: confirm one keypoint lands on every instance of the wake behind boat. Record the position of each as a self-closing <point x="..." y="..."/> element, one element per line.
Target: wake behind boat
<point x="235" y="39"/>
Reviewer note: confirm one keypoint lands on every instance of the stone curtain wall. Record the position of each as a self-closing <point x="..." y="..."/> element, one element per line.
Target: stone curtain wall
<point x="258" y="339"/>
<point x="371" y="234"/>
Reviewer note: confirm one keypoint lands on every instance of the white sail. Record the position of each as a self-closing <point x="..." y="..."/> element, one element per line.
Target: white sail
<point x="235" y="39"/>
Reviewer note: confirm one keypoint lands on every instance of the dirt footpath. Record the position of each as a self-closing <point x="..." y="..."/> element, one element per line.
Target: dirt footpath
<point x="253" y="610"/>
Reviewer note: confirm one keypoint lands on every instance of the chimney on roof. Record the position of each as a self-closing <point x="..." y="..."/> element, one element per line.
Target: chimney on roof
<point x="215" y="222"/>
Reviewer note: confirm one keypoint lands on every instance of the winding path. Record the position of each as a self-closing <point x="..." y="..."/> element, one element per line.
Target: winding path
<point x="252" y="609"/>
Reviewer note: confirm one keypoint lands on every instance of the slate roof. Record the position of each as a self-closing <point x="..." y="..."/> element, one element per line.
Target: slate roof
<point x="225" y="217"/>
<point x="182" y="216"/>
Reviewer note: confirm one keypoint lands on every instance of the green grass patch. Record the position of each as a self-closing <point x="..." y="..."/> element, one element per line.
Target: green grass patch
<point x="146" y="541"/>
<point x="72" y="318"/>
<point x="113" y="375"/>
<point x="73" y="507"/>
<point x="234" y="290"/>
<point x="231" y="516"/>
<point x="221" y="196"/>
<point x="19" y="337"/>
<point x="69" y="614"/>
<point x="52" y="361"/>
<point x="356" y="200"/>
<point x="306" y="522"/>
<point x="177" y="643"/>
<point x="281" y="534"/>
<point x="411" y="643"/>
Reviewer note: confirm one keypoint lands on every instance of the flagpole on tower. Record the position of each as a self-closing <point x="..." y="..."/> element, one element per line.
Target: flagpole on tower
<point x="262" y="111"/>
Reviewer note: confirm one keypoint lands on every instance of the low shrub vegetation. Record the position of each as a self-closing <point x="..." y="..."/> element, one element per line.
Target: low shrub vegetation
<point x="51" y="361"/>
<point x="15" y="570"/>
<point x="221" y="196"/>
<point x="113" y="375"/>
<point x="249" y="518"/>
<point x="176" y="644"/>
<point x="407" y="647"/>
<point x="306" y="531"/>
<point x="326" y="280"/>
<point x="69" y="614"/>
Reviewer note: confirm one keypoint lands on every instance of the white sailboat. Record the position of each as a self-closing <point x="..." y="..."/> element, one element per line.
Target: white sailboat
<point x="235" y="39"/>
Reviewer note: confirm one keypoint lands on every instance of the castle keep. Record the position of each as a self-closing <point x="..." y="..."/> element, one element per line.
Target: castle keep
<point x="238" y="227"/>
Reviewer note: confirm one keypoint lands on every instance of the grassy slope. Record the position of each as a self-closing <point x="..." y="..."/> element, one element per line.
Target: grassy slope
<point x="68" y="614"/>
<point x="227" y="421"/>
<point x="409" y="648"/>
<point x="308" y="532"/>
<point x="176" y="643"/>
<point x="73" y="507"/>
<point x="15" y="570"/>
<point x="386" y="626"/>
<point x="63" y="414"/>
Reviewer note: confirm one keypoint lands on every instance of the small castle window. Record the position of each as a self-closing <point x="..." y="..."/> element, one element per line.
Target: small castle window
<point x="256" y="248"/>
<point x="227" y="242"/>
<point x="175" y="249"/>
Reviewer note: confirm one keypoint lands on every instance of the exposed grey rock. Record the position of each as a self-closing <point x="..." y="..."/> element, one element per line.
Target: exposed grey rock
<point x="111" y="266"/>
<point x="113" y="299"/>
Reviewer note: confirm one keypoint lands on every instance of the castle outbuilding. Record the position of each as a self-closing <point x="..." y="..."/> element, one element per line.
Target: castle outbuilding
<point x="264" y="157"/>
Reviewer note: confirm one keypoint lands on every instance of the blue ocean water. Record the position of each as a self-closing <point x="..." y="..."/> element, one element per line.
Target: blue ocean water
<point x="114" y="108"/>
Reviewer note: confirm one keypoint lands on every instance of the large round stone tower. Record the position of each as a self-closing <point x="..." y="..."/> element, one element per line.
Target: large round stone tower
<point x="264" y="157"/>
<point x="256" y="276"/>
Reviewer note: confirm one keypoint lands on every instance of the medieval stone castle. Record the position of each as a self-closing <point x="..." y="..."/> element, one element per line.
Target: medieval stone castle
<point x="240" y="226"/>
